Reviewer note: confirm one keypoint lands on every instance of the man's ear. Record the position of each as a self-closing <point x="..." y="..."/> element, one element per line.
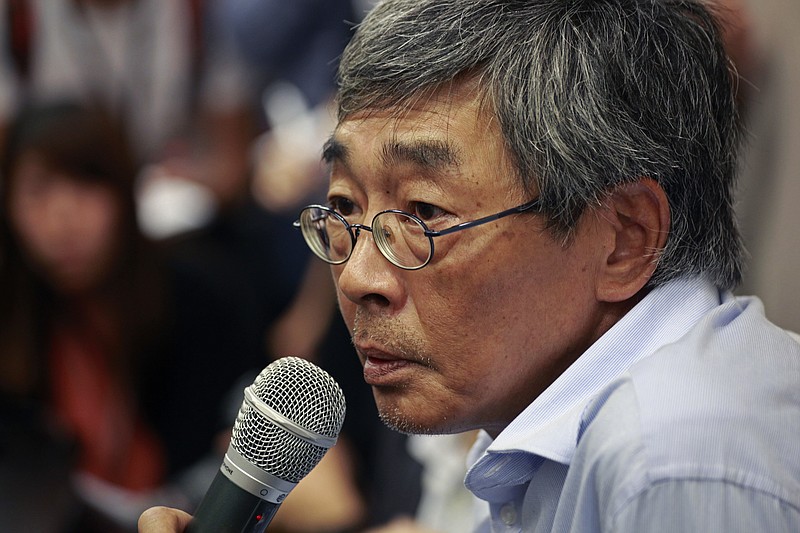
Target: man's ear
<point x="637" y="222"/>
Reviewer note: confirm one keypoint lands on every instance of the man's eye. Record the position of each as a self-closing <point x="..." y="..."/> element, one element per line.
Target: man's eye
<point x="343" y="206"/>
<point x="427" y="212"/>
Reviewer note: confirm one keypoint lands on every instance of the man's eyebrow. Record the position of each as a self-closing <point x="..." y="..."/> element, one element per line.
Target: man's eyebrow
<point x="432" y="154"/>
<point x="334" y="150"/>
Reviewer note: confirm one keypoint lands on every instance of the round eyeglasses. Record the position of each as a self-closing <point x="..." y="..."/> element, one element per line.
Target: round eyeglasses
<point x="401" y="237"/>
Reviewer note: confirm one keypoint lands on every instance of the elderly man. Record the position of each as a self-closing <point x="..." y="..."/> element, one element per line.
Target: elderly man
<point x="530" y="228"/>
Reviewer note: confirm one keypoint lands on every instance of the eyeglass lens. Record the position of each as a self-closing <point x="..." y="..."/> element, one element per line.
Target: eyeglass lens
<point x="401" y="239"/>
<point x="326" y="235"/>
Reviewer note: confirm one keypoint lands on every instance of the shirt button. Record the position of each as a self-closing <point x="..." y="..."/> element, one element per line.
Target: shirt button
<point x="508" y="514"/>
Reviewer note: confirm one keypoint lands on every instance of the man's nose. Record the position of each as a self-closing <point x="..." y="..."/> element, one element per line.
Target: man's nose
<point x="368" y="278"/>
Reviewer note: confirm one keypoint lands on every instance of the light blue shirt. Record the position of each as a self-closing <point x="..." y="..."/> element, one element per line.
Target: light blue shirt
<point x="683" y="417"/>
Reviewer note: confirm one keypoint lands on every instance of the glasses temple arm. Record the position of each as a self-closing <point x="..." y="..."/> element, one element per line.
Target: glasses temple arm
<point x="533" y="204"/>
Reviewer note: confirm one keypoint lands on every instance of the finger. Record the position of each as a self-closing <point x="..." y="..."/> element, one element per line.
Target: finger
<point x="163" y="520"/>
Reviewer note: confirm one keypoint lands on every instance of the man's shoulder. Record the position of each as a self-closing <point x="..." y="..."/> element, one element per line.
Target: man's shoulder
<point x="721" y="405"/>
<point x="731" y="364"/>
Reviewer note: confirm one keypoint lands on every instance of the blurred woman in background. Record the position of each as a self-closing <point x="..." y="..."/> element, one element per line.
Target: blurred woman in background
<point x="80" y="294"/>
<point x="114" y="360"/>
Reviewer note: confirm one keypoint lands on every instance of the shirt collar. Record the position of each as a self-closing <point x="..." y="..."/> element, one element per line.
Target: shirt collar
<point x="548" y="427"/>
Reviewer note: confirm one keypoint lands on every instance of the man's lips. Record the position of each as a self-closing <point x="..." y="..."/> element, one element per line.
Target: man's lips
<point x="381" y="368"/>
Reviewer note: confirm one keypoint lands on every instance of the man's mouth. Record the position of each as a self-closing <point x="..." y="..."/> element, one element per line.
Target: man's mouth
<point x="382" y="368"/>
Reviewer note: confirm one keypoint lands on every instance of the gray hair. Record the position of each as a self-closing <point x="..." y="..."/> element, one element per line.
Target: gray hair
<point x="589" y="94"/>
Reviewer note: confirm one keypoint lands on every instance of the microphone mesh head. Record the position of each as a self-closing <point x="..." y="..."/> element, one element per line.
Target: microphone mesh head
<point x="306" y="395"/>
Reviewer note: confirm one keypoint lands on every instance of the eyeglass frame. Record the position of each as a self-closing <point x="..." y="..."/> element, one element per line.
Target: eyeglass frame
<point x="534" y="204"/>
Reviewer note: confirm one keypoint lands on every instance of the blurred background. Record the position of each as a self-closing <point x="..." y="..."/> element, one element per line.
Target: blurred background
<point x="153" y="155"/>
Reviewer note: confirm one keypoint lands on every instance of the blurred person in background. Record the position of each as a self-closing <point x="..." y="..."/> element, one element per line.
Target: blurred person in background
<point x="114" y="362"/>
<point x="80" y="304"/>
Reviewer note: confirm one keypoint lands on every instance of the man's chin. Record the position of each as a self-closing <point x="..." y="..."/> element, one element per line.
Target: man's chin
<point x="403" y="425"/>
<point x="411" y="423"/>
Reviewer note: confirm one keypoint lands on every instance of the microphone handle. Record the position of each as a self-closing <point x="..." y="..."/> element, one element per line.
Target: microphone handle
<point x="226" y="508"/>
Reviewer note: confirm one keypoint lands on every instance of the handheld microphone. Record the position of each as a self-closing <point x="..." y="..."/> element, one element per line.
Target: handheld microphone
<point x="291" y="415"/>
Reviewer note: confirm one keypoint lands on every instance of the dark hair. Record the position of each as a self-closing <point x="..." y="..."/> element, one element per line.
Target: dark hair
<point x="85" y="144"/>
<point x="590" y="94"/>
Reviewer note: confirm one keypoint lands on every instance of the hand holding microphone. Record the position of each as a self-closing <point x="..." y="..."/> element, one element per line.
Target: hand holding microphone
<point x="291" y="415"/>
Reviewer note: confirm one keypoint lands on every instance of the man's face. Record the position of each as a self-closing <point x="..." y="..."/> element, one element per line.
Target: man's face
<point x="501" y="310"/>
